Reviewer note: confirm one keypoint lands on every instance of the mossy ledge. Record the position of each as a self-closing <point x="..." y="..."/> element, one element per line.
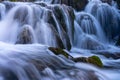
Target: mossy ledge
<point x="95" y="60"/>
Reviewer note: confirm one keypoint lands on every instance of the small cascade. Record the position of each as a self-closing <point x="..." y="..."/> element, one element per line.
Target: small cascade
<point x="9" y="31"/>
<point x="90" y="25"/>
<point x="108" y="17"/>
<point x="77" y="34"/>
<point x="45" y="34"/>
<point x="23" y="14"/>
<point x="59" y="27"/>
<point x="2" y="11"/>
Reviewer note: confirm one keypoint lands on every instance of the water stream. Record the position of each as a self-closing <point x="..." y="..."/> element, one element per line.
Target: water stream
<point x="28" y="29"/>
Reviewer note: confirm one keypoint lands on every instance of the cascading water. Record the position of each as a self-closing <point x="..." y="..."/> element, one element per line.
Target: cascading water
<point x="27" y="30"/>
<point x="108" y="17"/>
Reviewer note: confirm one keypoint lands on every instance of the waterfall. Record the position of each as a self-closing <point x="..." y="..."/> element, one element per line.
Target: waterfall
<point x="29" y="29"/>
<point x="90" y="25"/>
<point x="2" y="11"/>
<point x="108" y="17"/>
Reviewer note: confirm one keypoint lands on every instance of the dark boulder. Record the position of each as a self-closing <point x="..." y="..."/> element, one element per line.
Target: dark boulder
<point x="25" y="35"/>
<point x="77" y="4"/>
<point x="59" y="51"/>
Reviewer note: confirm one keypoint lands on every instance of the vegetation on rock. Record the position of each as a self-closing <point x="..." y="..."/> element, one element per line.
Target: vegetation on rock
<point x="59" y="51"/>
<point x="95" y="60"/>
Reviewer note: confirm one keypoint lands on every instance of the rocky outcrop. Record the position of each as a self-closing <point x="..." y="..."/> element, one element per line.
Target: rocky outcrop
<point x="95" y="60"/>
<point x="76" y="4"/>
<point x="59" y="51"/>
<point x="25" y="35"/>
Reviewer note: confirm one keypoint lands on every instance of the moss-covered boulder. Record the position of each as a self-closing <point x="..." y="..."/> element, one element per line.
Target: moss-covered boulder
<point x="59" y="51"/>
<point x="95" y="60"/>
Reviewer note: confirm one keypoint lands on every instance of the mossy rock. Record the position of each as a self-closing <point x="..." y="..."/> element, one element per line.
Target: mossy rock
<point x="59" y="51"/>
<point x="95" y="60"/>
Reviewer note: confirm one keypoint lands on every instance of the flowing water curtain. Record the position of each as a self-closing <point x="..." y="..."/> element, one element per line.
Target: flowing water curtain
<point x="2" y="11"/>
<point x="90" y="25"/>
<point x="108" y="17"/>
<point x="90" y="34"/>
<point x="22" y="14"/>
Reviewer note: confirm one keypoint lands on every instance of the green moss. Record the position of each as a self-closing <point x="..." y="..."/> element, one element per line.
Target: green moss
<point x="59" y="51"/>
<point x="95" y="60"/>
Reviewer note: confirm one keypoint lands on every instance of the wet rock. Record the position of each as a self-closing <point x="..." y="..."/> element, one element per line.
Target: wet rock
<point x="95" y="60"/>
<point x="25" y="35"/>
<point x="59" y="51"/>
<point x="61" y="26"/>
<point x="58" y="40"/>
<point x="76" y="4"/>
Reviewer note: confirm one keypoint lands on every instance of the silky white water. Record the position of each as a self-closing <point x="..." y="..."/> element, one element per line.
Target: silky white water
<point x="28" y="29"/>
